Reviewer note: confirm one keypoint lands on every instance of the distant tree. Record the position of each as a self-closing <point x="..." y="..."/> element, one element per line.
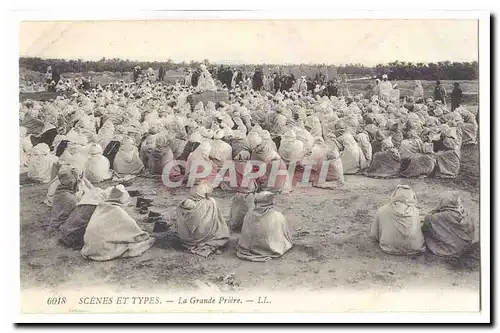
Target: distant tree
<point x="398" y="70"/>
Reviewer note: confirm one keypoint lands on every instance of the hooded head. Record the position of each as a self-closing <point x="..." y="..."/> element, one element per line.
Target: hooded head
<point x="95" y="149"/>
<point x="127" y="144"/>
<point x="403" y="210"/>
<point x="387" y="143"/>
<point x="265" y="135"/>
<point x="404" y="194"/>
<point x="200" y="191"/>
<point x="428" y="148"/>
<point x="290" y="135"/>
<point x="319" y="140"/>
<point x="41" y="149"/>
<point x="219" y="135"/>
<point x="254" y="139"/>
<point x="203" y="150"/>
<point x="68" y="175"/>
<point x="451" y="200"/>
<point x="119" y="195"/>
<point x="150" y="142"/>
<point x="264" y="200"/>
<point x="196" y="137"/>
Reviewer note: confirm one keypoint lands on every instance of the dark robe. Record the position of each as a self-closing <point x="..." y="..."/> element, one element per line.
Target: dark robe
<point x="188" y="149"/>
<point x="56" y="77"/>
<point x="61" y="147"/>
<point x="111" y="150"/>
<point x="195" y="77"/>
<point x="73" y="229"/>
<point x="277" y="84"/>
<point x="456" y="98"/>
<point x="257" y="82"/>
<point x="239" y="78"/>
<point x="161" y="73"/>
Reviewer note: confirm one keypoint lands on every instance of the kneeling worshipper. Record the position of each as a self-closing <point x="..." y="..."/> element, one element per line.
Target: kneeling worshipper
<point x="77" y="153"/>
<point x="147" y="149"/>
<point x="160" y="156"/>
<point x="111" y="233"/>
<point x="73" y="230"/>
<point x="385" y="163"/>
<point x="419" y="164"/>
<point x="291" y="149"/>
<point x="397" y="225"/>
<point x="48" y="134"/>
<point x="410" y="146"/>
<point x="200" y="224"/>
<point x="363" y="141"/>
<point x="448" y="159"/>
<point x="276" y="176"/>
<point x="469" y="127"/>
<point x="63" y="162"/>
<point x="448" y="231"/>
<point x="220" y="153"/>
<point x="353" y="159"/>
<point x="68" y="193"/>
<point x="41" y="163"/>
<point x="97" y="167"/>
<point x="194" y="141"/>
<point x="199" y="162"/>
<point x="106" y="133"/>
<point x="327" y="169"/>
<point x="266" y="138"/>
<point x="127" y="160"/>
<point x="265" y="234"/>
<point x="243" y="202"/>
<point x="240" y="156"/>
<point x="177" y="145"/>
<point x="25" y="146"/>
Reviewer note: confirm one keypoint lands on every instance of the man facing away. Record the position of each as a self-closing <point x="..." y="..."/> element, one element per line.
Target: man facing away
<point x="456" y="96"/>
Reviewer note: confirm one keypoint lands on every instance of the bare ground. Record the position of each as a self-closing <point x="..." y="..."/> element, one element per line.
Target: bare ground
<point x="331" y="244"/>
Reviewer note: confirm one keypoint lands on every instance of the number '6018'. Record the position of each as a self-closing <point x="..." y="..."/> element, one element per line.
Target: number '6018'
<point x="56" y="300"/>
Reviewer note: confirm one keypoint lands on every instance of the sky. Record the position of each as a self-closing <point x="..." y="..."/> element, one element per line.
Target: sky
<point x="335" y="42"/>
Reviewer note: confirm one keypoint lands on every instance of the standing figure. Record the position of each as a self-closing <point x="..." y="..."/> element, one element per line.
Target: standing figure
<point x="439" y="93"/>
<point x="385" y="88"/>
<point x="418" y="92"/>
<point x="456" y="96"/>
<point x="257" y="80"/>
<point x="161" y="73"/>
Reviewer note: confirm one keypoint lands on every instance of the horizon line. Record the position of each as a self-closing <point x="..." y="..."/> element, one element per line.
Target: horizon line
<point x="237" y="63"/>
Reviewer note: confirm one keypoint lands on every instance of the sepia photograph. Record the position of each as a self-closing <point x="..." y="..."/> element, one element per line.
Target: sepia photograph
<point x="250" y="165"/>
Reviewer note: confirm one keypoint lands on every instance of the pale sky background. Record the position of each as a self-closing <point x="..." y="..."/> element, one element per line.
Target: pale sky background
<point x="294" y="41"/>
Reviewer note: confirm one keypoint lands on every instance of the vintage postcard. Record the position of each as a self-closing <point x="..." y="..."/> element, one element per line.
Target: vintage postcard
<point x="242" y="164"/>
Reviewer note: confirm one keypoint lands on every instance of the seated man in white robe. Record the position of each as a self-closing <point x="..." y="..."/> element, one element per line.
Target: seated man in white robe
<point x="397" y="226"/>
<point x="200" y="224"/>
<point x="97" y="167"/>
<point x="127" y="160"/>
<point x="41" y="163"/>
<point x="66" y="195"/>
<point x="291" y="149"/>
<point x="221" y="151"/>
<point x="265" y="234"/>
<point x="111" y="233"/>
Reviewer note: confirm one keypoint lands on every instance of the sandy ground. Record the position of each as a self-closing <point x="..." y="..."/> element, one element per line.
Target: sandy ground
<point x="330" y="231"/>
